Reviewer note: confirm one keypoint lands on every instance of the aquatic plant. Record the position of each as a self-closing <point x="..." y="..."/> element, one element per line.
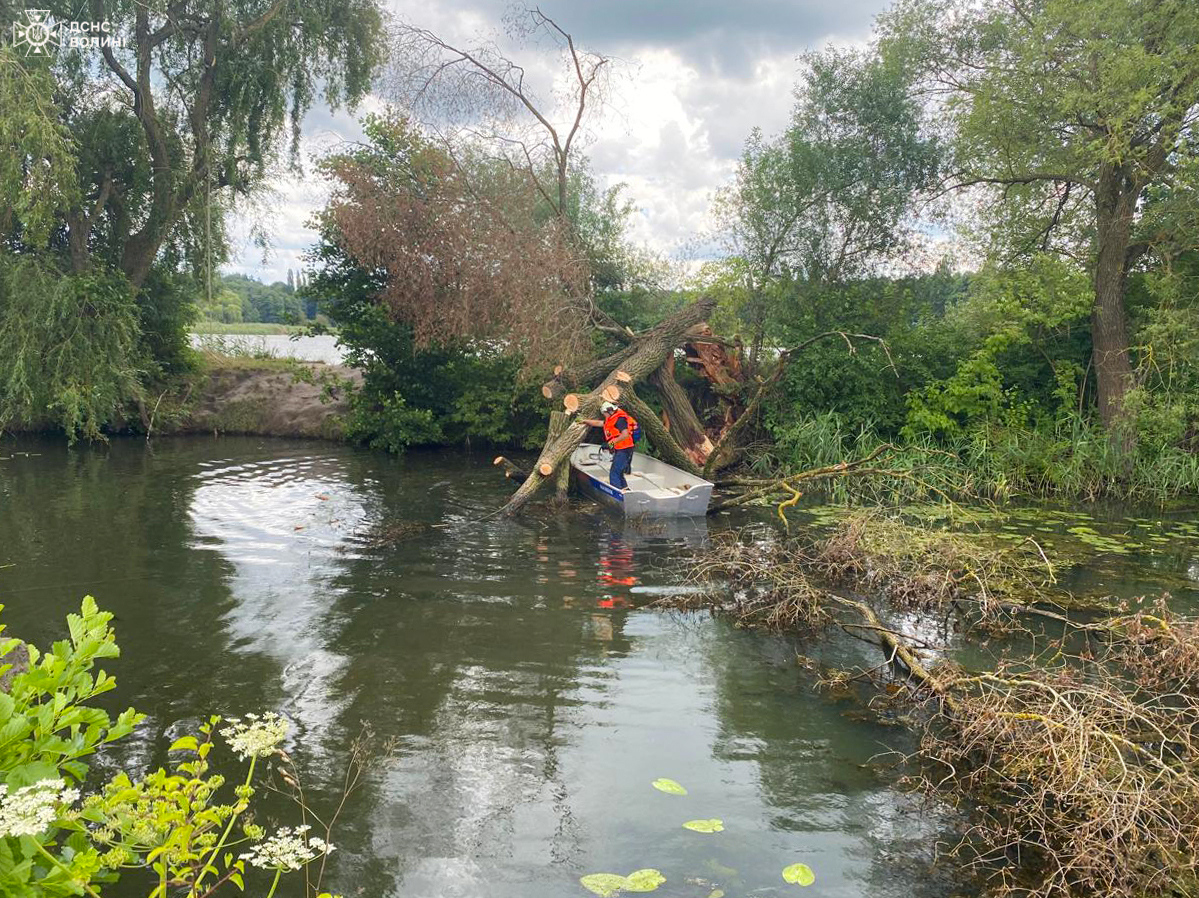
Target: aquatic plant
<point x="711" y="825"/>
<point x="607" y="885"/>
<point x="669" y="786"/>
<point x="799" y="874"/>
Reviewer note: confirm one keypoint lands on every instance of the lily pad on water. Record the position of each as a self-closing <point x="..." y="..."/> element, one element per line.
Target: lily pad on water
<point x="644" y="880"/>
<point x="705" y="826"/>
<point x="799" y="874"/>
<point x="669" y="786"/>
<point x="606" y="885"/>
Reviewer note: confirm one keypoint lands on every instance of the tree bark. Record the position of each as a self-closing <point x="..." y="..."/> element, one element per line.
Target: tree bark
<point x="1116" y="200"/>
<point x="685" y="425"/>
<point x="558" y="422"/>
<point x="646" y="354"/>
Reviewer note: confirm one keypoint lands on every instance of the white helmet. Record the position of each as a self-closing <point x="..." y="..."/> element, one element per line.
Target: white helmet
<point x="608" y="407"/>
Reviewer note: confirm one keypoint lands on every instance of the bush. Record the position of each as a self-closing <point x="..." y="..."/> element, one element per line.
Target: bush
<point x="70" y="351"/>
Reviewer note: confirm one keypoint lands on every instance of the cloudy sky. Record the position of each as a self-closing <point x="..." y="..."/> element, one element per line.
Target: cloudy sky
<point x="693" y="77"/>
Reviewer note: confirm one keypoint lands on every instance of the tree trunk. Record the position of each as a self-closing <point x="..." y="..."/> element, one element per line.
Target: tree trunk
<point x="1115" y="207"/>
<point x="647" y="353"/>
<point x="685" y="425"/>
<point x="558" y="422"/>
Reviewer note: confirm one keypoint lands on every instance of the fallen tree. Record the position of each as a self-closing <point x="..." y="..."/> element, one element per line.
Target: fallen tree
<point x="647" y="352"/>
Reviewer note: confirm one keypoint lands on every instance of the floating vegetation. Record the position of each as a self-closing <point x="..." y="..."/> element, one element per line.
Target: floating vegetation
<point x="607" y="885"/>
<point x="713" y="825"/>
<point x="669" y="786"/>
<point x="799" y="874"/>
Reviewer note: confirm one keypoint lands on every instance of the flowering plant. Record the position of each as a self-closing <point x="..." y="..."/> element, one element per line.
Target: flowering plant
<point x="181" y="825"/>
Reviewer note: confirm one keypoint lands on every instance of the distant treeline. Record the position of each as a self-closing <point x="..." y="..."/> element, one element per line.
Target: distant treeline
<point x="238" y="298"/>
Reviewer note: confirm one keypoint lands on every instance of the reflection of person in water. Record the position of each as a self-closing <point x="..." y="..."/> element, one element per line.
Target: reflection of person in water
<point x="616" y="569"/>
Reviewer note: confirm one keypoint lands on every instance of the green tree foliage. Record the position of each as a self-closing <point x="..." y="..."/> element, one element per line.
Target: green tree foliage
<point x="70" y="348"/>
<point x="128" y="158"/>
<point x="237" y="297"/>
<point x="1075" y="118"/>
<point x="828" y="200"/>
<point x="37" y="160"/>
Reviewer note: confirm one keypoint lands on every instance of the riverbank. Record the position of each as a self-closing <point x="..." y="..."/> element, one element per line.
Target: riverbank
<point x="266" y="397"/>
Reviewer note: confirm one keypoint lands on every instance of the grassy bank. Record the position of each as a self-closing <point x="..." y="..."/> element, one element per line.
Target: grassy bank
<point x="251" y="328"/>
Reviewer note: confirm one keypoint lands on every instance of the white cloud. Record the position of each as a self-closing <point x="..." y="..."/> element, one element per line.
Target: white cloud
<point x="693" y="81"/>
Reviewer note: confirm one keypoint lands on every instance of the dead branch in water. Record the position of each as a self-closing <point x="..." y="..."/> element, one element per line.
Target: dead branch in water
<point x="1080" y="767"/>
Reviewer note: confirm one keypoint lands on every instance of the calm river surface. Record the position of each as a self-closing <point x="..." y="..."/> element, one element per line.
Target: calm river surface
<point x="531" y="699"/>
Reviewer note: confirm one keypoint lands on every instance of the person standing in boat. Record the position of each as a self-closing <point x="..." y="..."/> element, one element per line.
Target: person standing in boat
<point x="619" y="433"/>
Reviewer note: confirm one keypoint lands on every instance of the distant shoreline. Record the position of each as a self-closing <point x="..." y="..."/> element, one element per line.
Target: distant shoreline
<point x="259" y="328"/>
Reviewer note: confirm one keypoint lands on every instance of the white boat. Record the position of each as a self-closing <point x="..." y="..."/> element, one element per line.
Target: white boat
<point x="656" y="489"/>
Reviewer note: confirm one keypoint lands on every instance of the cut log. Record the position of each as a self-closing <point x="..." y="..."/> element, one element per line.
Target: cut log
<point x="546" y="469"/>
<point x="624" y="377"/>
<point x="511" y="470"/>
<point x="571" y="403"/>
<point x="557" y="371"/>
<point x="611" y="393"/>
<point x="640" y="359"/>
<point x="547" y="391"/>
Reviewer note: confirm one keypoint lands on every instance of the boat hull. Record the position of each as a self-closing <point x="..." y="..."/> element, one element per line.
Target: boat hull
<point x="656" y="489"/>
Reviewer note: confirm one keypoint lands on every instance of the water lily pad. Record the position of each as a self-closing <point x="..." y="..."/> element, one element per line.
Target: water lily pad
<point x="644" y="880"/>
<point x="606" y="885"/>
<point x="669" y="786"/>
<point x="716" y="893"/>
<point x="799" y="874"/>
<point x="705" y="826"/>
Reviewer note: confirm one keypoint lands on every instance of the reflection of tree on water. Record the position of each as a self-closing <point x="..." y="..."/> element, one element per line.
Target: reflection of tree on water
<point x="478" y="672"/>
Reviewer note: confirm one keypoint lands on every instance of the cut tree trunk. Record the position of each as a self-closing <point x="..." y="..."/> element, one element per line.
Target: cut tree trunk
<point x="1116" y="201"/>
<point x="645" y="355"/>
<point x="684" y="424"/>
<point x="558" y="422"/>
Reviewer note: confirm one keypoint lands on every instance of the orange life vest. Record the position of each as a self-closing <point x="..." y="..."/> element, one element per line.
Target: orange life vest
<point x="625" y="440"/>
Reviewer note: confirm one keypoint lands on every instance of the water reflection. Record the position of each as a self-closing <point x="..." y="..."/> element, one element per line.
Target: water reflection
<point x="532" y="701"/>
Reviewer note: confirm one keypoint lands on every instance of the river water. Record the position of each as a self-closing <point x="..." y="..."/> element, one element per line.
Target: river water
<point x="530" y="696"/>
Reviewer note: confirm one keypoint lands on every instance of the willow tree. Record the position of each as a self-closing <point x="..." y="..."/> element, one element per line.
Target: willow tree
<point x="203" y="99"/>
<point x="1068" y="117"/>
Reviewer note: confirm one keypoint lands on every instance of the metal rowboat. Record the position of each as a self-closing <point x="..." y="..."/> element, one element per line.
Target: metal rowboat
<point x="656" y="489"/>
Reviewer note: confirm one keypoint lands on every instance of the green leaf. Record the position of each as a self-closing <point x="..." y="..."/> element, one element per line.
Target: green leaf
<point x="183" y="743"/>
<point x="670" y="787"/>
<point x="606" y="885"/>
<point x="799" y="874"/>
<point x="713" y="825"/>
<point x="716" y="893"/>
<point x="644" y="880"/>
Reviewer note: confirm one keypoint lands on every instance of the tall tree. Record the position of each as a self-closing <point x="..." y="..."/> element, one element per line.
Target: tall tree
<point x="202" y="100"/>
<point x="829" y="199"/>
<point x="1068" y="116"/>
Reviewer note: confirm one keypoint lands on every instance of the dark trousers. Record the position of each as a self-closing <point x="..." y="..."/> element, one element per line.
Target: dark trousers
<point x="622" y="462"/>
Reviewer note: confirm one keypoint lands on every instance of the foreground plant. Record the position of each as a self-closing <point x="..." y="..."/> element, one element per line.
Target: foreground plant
<point x="185" y="827"/>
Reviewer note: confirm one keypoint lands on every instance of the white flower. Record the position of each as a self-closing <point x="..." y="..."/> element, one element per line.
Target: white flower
<point x="30" y="810"/>
<point x="255" y="736"/>
<point x="288" y="849"/>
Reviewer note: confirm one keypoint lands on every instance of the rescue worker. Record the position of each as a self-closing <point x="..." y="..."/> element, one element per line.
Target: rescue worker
<point x="618" y="434"/>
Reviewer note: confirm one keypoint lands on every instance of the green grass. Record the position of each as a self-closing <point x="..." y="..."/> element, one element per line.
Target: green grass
<point x="257" y="328"/>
